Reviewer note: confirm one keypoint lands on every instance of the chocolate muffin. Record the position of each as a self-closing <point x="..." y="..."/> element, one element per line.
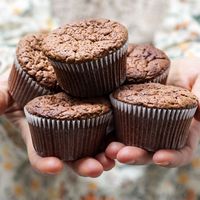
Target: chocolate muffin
<point x="153" y="116"/>
<point x="89" y="56"/>
<point x="66" y="127"/>
<point x="32" y="74"/>
<point x="145" y="63"/>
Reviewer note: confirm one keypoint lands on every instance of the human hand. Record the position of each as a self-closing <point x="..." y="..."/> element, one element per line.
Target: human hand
<point x="91" y="167"/>
<point x="184" y="73"/>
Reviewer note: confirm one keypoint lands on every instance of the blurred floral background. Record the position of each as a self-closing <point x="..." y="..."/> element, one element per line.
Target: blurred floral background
<point x="172" y="25"/>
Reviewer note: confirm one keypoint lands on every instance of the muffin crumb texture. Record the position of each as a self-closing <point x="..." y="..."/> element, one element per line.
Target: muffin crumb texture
<point x="85" y="40"/>
<point x="62" y="106"/>
<point x="145" y="62"/>
<point x="34" y="62"/>
<point x="156" y="95"/>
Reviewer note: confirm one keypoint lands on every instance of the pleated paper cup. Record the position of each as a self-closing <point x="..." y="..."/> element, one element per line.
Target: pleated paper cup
<point x="67" y="139"/>
<point x="23" y="87"/>
<point x="93" y="78"/>
<point x="151" y="128"/>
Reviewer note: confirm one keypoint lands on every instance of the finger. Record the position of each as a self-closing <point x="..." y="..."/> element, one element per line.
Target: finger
<point x="110" y="137"/>
<point x="175" y="76"/>
<point x="84" y="167"/>
<point x="18" y="119"/>
<point x="46" y="165"/>
<point x="87" y="167"/>
<point x="134" y="155"/>
<point x="106" y="162"/>
<point x="5" y="100"/>
<point x="196" y="91"/>
<point x="180" y="68"/>
<point x="113" y="149"/>
<point x="173" y="158"/>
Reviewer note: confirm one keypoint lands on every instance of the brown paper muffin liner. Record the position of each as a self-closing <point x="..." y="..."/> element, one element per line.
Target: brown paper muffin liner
<point x="23" y="87"/>
<point x="67" y="139"/>
<point x="151" y="128"/>
<point x="93" y="78"/>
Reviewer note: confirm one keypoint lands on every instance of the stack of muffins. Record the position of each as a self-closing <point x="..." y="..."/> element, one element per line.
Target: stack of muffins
<point x="63" y="80"/>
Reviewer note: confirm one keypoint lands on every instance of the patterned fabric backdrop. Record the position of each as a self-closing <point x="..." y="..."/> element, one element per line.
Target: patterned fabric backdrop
<point x="178" y="35"/>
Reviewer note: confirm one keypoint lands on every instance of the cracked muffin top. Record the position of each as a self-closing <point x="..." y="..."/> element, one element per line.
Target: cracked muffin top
<point x="85" y="40"/>
<point x="34" y="62"/>
<point x="62" y="106"/>
<point x="156" y="95"/>
<point x="145" y="62"/>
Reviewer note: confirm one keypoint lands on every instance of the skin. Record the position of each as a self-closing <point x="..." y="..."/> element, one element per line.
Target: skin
<point x="184" y="73"/>
<point x="87" y="167"/>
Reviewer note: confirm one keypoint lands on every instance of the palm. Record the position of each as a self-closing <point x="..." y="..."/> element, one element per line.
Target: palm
<point x="92" y="167"/>
<point x="183" y="73"/>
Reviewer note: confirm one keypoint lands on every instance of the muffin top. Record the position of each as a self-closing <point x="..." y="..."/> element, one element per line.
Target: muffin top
<point x="62" y="106"/>
<point x="145" y="62"/>
<point x="156" y="95"/>
<point x="84" y="40"/>
<point x="34" y="62"/>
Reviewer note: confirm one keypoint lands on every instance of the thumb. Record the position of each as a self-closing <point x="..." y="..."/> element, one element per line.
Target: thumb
<point x="5" y="100"/>
<point x="196" y="91"/>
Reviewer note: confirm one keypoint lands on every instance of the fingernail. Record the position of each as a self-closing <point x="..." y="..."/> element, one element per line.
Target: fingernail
<point x="131" y="162"/>
<point x="162" y="163"/>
